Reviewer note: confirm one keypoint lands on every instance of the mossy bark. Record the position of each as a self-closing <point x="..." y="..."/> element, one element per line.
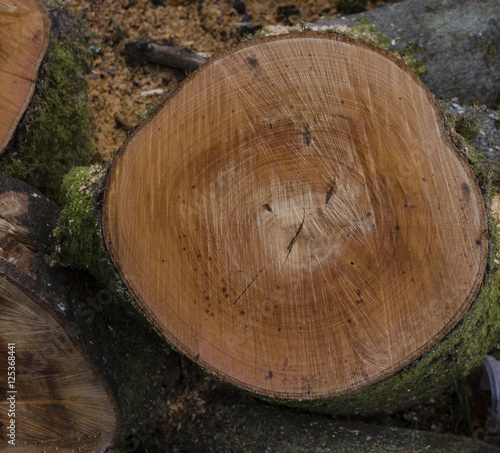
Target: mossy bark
<point x="55" y="132"/>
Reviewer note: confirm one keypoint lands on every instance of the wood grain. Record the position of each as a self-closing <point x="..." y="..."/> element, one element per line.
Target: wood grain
<point x="24" y="37"/>
<point x="62" y="402"/>
<point x="295" y="219"/>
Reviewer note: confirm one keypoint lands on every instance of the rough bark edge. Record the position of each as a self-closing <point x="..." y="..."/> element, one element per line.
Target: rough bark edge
<point x="55" y="132"/>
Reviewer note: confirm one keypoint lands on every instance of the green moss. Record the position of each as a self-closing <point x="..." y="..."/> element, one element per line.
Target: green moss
<point x="150" y="109"/>
<point x="432" y="9"/>
<point x="409" y="56"/>
<point x="462" y="128"/>
<point x="260" y="33"/>
<point x="55" y="133"/>
<point x="78" y="229"/>
<point x="366" y="31"/>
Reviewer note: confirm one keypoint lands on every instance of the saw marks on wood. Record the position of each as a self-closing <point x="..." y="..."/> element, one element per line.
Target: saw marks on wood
<point x="295" y="219"/>
<point x="24" y="37"/>
<point x="61" y="403"/>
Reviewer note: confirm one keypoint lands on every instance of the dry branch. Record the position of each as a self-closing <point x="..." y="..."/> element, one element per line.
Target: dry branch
<point x="144" y="49"/>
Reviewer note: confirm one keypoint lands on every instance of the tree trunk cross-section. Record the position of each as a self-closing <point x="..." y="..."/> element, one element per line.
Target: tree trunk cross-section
<point x="24" y="37"/>
<point x="60" y="401"/>
<point x="52" y="396"/>
<point x="295" y="219"/>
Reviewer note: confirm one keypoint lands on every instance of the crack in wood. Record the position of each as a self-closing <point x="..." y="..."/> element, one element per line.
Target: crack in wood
<point x="294" y="239"/>
<point x="248" y="286"/>
<point x="329" y="194"/>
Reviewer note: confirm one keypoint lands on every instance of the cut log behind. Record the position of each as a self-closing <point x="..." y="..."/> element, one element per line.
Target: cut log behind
<point x="231" y="423"/>
<point x="24" y="37"/>
<point x="47" y="134"/>
<point x="295" y="219"/>
<point x="52" y="396"/>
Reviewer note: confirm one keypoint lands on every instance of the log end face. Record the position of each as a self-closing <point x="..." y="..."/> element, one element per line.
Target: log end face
<point x="298" y="249"/>
<point x="25" y="25"/>
<point x="77" y="411"/>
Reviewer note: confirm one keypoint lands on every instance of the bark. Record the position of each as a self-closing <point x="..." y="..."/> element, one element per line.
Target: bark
<point x="147" y="50"/>
<point x="209" y="417"/>
<point x="456" y="41"/>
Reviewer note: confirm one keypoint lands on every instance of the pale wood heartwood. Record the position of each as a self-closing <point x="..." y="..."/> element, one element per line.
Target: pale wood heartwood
<point x="295" y="219"/>
<point x="24" y="37"/>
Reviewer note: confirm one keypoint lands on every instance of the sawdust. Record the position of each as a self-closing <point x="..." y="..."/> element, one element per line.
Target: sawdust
<point x="205" y="27"/>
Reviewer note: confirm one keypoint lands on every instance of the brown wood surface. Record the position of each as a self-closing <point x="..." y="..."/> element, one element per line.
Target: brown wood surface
<point x="62" y="402"/>
<point x="295" y="219"/>
<point x="24" y="37"/>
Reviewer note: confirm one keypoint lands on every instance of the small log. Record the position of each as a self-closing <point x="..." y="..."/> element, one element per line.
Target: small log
<point x="53" y="398"/>
<point x="147" y="50"/>
<point x="309" y="231"/>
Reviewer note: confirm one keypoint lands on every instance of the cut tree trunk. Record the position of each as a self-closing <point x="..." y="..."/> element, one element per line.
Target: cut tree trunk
<point x="53" y="398"/>
<point x="53" y="133"/>
<point x="24" y="37"/>
<point x="295" y="219"/>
